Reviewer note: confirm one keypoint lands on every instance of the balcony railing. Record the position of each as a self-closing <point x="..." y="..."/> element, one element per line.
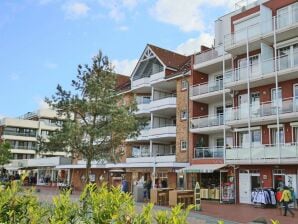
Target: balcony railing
<point x="206" y="87"/>
<point x="263" y="152"/>
<point x="140" y="82"/>
<point x="207" y="121"/>
<point x="208" y="153"/>
<point x="209" y="54"/>
<point x="24" y="147"/>
<point x="258" y="70"/>
<point x="261" y="28"/>
<point x="283" y="106"/>
<point x="19" y="133"/>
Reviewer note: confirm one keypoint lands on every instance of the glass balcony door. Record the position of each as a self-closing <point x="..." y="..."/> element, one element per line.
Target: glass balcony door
<point x="275" y="135"/>
<point x="243" y="106"/>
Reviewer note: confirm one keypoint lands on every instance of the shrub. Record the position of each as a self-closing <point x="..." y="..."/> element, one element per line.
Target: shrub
<point x="96" y="205"/>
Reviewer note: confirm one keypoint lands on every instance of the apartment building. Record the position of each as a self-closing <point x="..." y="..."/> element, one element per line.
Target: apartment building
<point x="159" y="84"/>
<point x="22" y="132"/>
<point x="244" y="100"/>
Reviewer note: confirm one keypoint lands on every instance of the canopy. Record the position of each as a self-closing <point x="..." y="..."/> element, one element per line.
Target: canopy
<point x="201" y="168"/>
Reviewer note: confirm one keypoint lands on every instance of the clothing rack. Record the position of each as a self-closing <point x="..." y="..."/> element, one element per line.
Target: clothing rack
<point x="263" y="197"/>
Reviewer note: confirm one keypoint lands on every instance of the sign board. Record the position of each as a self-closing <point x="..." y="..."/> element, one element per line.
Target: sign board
<point x="197" y="195"/>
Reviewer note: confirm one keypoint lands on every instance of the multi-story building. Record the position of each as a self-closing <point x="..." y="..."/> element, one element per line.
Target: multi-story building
<point x="22" y="133"/>
<point x="159" y="83"/>
<point x="244" y="99"/>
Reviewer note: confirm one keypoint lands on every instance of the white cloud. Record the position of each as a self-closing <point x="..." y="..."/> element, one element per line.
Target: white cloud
<point x="75" y="10"/>
<point x="131" y="4"/>
<point x="124" y="67"/>
<point x="2" y="116"/>
<point x="123" y="28"/>
<point x="50" y="65"/>
<point x="117" y="9"/>
<point x="193" y="45"/>
<point x="187" y="16"/>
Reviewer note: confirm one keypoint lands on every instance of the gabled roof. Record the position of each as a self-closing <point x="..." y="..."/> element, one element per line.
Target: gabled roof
<point x="184" y="68"/>
<point x="168" y="58"/>
<point x="122" y="83"/>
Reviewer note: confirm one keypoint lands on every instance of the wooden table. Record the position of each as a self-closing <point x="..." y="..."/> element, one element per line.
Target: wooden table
<point x="160" y="196"/>
<point x="185" y="197"/>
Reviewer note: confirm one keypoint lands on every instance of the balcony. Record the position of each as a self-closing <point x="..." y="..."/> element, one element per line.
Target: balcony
<point x="152" y="159"/>
<point x="286" y="26"/>
<point x="142" y="84"/>
<point x="263" y="154"/>
<point x="211" y="60"/>
<point x="25" y="134"/>
<point x="164" y="105"/>
<point x="167" y="132"/>
<point x="143" y="136"/>
<point x="207" y="92"/>
<point x="157" y="77"/>
<point x="207" y="124"/>
<point x="262" y="73"/>
<point x="208" y="153"/>
<point x="143" y="106"/>
<point x="264" y="112"/>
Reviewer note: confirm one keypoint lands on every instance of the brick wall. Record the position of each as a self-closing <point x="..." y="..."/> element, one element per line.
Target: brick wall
<point x="181" y="125"/>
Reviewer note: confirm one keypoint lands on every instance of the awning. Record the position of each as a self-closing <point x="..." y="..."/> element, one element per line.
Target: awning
<point x="201" y="168"/>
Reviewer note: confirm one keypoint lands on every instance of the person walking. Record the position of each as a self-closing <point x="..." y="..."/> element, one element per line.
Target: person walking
<point x="124" y="187"/>
<point x="286" y="198"/>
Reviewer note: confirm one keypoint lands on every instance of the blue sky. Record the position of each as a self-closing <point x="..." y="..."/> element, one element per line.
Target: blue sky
<point x="43" y="41"/>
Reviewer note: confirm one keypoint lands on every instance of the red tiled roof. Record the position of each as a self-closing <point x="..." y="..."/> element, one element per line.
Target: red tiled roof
<point x="169" y="58"/>
<point x="183" y="68"/>
<point x="122" y="82"/>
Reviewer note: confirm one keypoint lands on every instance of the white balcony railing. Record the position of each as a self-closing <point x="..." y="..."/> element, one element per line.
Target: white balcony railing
<point x="152" y="159"/>
<point x="209" y="54"/>
<point x="163" y="103"/>
<point x="206" y="87"/>
<point x="208" y="153"/>
<point x="157" y="77"/>
<point x="160" y="132"/>
<point x="262" y="69"/>
<point x="140" y="82"/>
<point x="206" y="121"/>
<point x="284" y="106"/>
<point x="141" y="137"/>
<point x="261" y="28"/>
<point x="263" y="153"/>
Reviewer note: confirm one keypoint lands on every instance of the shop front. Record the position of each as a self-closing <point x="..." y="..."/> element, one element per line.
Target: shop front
<point x="217" y="181"/>
<point x="253" y="179"/>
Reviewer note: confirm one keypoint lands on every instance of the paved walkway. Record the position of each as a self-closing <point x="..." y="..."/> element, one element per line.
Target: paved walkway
<point x="212" y="211"/>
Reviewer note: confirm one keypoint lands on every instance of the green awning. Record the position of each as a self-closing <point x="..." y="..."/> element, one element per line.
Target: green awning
<point x="201" y="168"/>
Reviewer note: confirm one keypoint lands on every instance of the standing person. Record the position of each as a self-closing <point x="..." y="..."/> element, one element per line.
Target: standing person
<point x="124" y="187"/>
<point x="286" y="199"/>
<point x="148" y="186"/>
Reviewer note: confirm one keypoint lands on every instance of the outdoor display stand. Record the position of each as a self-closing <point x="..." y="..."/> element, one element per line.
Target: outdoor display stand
<point x="197" y="197"/>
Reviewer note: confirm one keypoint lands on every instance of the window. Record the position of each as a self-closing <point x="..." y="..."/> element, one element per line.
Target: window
<point x="275" y="135"/>
<point x="255" y="138"/>
<point x="183" y="144"/>
<point x="183" y="115"/>
<point x="184" y="84"/>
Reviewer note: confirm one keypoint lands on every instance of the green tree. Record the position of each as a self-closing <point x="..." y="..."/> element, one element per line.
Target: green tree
<point x="5" y="154"/>
<point x="97" y="118"/>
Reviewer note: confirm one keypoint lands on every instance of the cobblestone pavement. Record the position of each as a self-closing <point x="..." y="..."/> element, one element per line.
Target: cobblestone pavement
<point x="212" y="211"/>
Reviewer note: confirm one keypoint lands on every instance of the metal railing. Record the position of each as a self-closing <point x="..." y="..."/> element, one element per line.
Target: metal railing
<point x="208" y="153"/>
<point x="206" y="121"/>
<point x="24" y="147"/>
<point x="25" y="134"/>
<point x="258" y="70"/>
<point x="284" y="106"/>
<point x="143" y="100"/>
<point x="261" y="28"/>
<point x="263" y="152"/>
<point x="209" y="54"/>
<point x="206" y="87"/>
<point x="160" y="97"/>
